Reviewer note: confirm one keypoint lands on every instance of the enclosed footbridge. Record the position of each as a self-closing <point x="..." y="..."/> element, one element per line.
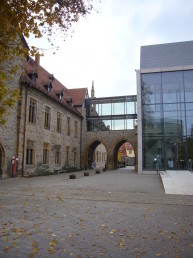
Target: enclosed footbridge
<point x="110" y="121"/>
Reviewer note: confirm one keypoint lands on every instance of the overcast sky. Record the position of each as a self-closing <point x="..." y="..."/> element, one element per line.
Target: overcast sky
<point x="105" y="47"/>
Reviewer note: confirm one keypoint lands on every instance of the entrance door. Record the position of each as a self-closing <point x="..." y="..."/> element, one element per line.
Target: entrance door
<point x="176" y="158"/>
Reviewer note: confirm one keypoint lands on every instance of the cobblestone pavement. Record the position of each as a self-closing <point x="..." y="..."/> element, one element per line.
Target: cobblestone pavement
<point x="113" y="214"/>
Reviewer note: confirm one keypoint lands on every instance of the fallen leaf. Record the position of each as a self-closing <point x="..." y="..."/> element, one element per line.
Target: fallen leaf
<point x="113" y="231"/>
<point x="35" y="249"/>
<point x="7" y="248"/>
<point x="54" y="242"/>
<point x="59" y="198"/>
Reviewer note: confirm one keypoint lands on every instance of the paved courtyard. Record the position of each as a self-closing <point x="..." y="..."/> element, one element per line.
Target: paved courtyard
<point x="113" y="214"/>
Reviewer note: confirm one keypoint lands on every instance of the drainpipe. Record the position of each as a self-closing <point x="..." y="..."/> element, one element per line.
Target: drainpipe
<point x="24" y="132"/>
<point x="81" y="144"/>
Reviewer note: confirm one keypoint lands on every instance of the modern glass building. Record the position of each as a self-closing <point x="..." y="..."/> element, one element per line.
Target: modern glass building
<point x="165" y="107"/>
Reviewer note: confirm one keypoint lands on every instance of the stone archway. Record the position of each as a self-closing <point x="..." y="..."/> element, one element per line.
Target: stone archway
<point x="87" y="155"/>
<point x="2" y="159"/>
<point x="91" y="150"/>
<point x="111" y="140"/>
<point x="116" y="149"/>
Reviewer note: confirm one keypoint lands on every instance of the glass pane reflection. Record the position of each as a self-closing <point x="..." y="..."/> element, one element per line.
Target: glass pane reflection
<point x="172" y="84"/>
<point x="168" y="124"/>
<point x="151" y="88"/>
<point x="188" y="83"/>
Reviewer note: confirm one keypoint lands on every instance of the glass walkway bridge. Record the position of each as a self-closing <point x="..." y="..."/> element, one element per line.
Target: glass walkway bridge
<point x="111" y="113"/>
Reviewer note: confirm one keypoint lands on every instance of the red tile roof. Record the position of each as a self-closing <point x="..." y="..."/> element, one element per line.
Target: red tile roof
<point x="125" y="146"/>
<point x="128" y="146"/>
<point x="78" y="95"/>
<point x="70" y="97"/>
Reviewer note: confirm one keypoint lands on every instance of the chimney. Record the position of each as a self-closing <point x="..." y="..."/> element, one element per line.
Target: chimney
<point x="37" y="59"/>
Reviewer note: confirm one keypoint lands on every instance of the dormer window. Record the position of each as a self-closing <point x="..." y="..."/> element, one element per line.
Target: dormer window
<point x="69" y="101"/>
<point x="49" y="85"/>
<point x="33" y="75"/>
<point x="60" y="95"/>
<point x="51" y="77"/>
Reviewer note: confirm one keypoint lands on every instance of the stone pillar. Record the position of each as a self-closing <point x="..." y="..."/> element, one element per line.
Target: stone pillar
<point x="110" y="160"/>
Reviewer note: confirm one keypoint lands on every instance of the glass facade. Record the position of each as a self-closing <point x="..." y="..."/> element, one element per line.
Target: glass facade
<point x="167" y="118"/>
<point x="111" y="113"/>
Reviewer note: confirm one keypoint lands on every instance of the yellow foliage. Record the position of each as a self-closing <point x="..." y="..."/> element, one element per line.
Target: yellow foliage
<point x="29" y="17"/>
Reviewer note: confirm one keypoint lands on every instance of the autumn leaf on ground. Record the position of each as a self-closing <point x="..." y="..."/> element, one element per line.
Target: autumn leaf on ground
<point x="59" y="198"/>
<point x="102" y="253"/>
<point x="53" y="243"/>
<point x="35" y="249"/>
<point x="7" y="248"/>
<point x="51" y="250"/>
<point x="18" y="230"/>
<point x="121" y="244"/>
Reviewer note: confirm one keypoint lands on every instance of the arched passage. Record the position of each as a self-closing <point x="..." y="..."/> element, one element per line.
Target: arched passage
<point x="127" y="149"/>
<point x="97" y="155"/>
<point x="2" y="159"/>
<point x="112" y="140"/>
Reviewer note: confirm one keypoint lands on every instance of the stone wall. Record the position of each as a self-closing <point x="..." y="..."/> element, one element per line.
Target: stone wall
<point x="8" y="132"/>
<point x="36" y="133"/>
<point x="112" y="140"/>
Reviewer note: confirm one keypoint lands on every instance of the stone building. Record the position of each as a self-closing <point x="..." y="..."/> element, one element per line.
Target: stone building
<point x="44" y="131"/>
<point x="53" y="126"/>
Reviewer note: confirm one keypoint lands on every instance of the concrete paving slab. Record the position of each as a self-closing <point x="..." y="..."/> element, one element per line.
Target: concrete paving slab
<point x="177" y="182"/>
